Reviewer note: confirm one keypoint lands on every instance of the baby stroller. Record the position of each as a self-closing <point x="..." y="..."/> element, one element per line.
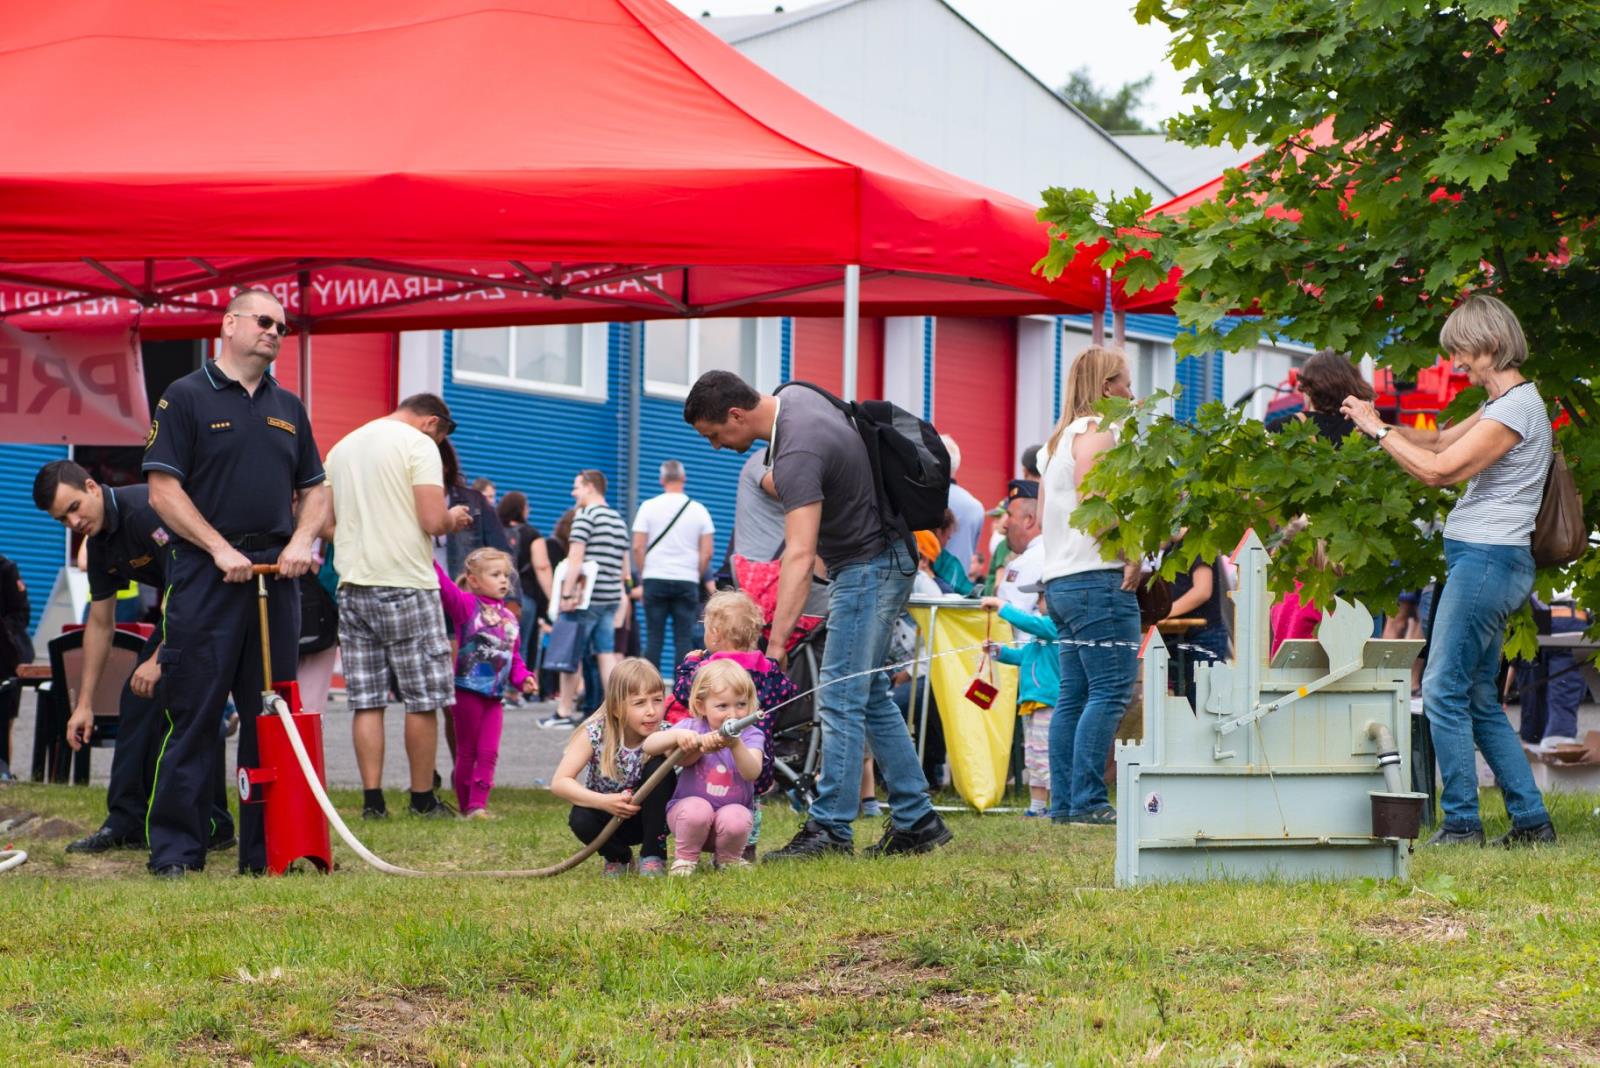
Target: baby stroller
<point x="796" y="737"/>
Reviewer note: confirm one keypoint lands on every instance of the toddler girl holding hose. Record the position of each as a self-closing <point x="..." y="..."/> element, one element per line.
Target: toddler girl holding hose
<point x="715" y="792"/>
<point x="488" y="658"/>
<point x="733" y="632"/>
<point x="615" y="750"/>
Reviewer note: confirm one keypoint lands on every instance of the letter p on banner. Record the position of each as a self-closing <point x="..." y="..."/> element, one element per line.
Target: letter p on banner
<point x="83" y="387"/>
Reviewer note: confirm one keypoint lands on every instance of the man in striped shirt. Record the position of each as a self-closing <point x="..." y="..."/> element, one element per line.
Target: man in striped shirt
<point x="598" y="535"/>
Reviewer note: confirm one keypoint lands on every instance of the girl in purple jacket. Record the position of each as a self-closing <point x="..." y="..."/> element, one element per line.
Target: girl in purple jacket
<point x="488" y="659"/>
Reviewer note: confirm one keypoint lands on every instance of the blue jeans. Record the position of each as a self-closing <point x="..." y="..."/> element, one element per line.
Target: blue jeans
<point x="1096" y="683"/>
<point x="1483" y="585"/>
<point x="865" y="600"/>
<point x="664" y="598"/>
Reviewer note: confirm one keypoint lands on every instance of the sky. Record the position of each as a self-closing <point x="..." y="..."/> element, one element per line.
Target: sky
<point x="1051" y="38"/>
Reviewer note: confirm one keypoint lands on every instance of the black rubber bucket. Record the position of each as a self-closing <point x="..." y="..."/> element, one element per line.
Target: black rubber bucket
<point x="1396" y="815"/>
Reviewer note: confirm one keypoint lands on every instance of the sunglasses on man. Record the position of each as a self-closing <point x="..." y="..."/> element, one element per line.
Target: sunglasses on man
<point x="267" y="322"/>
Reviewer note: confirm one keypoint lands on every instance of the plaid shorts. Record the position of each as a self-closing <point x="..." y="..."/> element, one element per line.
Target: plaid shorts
<point x="393" y="639"/>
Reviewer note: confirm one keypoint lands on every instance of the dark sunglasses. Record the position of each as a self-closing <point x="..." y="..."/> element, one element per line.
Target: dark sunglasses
<point x="267" y="322"/>
<point x="447" y="426"/>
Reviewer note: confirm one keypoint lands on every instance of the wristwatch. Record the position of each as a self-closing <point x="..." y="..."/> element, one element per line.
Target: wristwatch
<point x="1382" y="433"/>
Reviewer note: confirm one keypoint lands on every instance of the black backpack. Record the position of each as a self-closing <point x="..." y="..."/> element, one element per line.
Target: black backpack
<point x="910" y="466"/>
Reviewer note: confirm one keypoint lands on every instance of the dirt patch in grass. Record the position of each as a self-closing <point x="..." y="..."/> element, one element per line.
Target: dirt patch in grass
<point x="1427" y="927"/>
<point x="867" y="970"/>
<point x="386" y="1029"/>
<point x="20" y="823"/>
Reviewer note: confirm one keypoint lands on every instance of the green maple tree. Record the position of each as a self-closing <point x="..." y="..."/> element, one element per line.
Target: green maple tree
<point x="1418" y="149"/>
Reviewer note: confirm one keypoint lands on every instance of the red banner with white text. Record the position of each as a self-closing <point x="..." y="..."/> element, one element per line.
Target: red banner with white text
<point x="83" y="387"/>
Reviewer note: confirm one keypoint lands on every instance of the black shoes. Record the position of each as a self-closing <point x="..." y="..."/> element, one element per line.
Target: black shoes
<point x="439" y="811"/>
<point x="1544" y="834"/>
<point x="105" y="840"/>
<point x="170" y="871"/>
<point x="1445" y="836"/>
<point x="813" y="841"/>
<point x="222" y="840"/>
<point x="373" y="812"/>
<point x="924" y="836"/>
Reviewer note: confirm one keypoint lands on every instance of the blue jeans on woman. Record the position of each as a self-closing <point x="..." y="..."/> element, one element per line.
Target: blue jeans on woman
<point x="1483" y="585"/>
<point x="864" y="601"/>
<point x="1096" y="683"/>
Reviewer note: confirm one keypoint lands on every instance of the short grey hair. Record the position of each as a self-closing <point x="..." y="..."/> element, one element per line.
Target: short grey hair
<point x="954" y="450"/>
<point x="1482" y="325"/>
<point x="672" y="471"/>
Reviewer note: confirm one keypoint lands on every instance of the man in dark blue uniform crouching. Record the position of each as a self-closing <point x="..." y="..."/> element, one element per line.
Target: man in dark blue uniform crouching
<point x="126" y="543"/>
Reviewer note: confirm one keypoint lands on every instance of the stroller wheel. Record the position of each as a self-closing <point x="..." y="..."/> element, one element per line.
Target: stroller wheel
<point x="801" y="796"/>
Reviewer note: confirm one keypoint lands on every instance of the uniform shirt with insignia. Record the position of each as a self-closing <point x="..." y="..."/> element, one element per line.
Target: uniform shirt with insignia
<point x="240" y="457"/>
<point x="132" y="544"/>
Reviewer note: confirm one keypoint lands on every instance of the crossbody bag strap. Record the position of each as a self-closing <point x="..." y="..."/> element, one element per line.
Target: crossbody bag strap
<point x="657" y="539"/>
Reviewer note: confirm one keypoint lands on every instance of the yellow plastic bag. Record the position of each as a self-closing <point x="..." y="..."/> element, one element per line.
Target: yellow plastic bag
<point x="977" y="740"/>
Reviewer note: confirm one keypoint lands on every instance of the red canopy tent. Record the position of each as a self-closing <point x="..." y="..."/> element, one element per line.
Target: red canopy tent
<point x="435" y="163"/>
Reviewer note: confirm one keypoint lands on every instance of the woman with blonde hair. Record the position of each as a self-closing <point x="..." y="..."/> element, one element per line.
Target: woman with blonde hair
<point x="1502" y="451"/>
<point x="1091" y="599"/>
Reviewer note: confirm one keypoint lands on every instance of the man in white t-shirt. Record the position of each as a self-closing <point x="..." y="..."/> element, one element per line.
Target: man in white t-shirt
<point x="1024" y="569"/>
<point x="388" y="505"/>
<point x="672" y="535"/>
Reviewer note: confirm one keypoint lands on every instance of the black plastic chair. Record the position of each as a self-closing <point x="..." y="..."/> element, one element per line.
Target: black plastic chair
<point x="51" y="754"/>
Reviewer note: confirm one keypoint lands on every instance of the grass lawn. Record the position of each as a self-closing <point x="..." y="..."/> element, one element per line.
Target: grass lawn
<point x="1009" y="948"/>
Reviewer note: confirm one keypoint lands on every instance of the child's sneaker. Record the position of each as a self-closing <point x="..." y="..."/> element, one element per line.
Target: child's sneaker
<point x="1035" y="813"/>
<point x="739" y="863"/>
<point x="480" y="814"/>
<point x="652" y="867"/>
<point x="684" y="866"/>
<point x="871" y="809"/>
<point x="617" y="868"/>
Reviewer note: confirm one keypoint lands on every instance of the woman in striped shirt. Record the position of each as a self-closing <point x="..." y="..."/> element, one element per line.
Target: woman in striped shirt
<point x="1503" y="454"/>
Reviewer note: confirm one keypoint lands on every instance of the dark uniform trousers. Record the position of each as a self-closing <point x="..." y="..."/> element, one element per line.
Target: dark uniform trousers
<point x="213" y="648"/>
<point x="140" y="728"/>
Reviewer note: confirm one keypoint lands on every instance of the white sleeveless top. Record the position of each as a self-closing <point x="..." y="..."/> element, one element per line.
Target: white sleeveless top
<point x="1067" y="550"/>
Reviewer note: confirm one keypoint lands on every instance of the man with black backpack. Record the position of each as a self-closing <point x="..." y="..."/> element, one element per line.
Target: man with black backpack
<point x="853" y="480"/>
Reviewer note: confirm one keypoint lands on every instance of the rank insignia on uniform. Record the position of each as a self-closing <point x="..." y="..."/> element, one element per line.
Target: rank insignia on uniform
<point x="160" y="536"/>
<point x="281" y="424"/>
<point x="162" y="403"/>
<point x="221" y="425"/>
<point x="155" y="428"/>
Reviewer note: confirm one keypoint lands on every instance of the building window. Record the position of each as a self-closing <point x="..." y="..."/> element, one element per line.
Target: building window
<point x="678" y="351"/>
<point x="566" y="361"/>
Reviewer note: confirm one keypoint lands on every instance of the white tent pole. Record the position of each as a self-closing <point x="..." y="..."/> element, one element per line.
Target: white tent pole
<point x="852" y="328"/>
<point x="305" y="340"/>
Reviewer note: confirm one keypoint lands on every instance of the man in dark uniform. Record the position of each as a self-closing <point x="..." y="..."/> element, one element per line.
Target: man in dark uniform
<point x="126" y="543"/>
<point x="229" y="450"/>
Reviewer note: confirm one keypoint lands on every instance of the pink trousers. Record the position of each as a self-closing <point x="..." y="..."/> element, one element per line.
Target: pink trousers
<point x="695" y="825"/>
<point x="478" y="721"/>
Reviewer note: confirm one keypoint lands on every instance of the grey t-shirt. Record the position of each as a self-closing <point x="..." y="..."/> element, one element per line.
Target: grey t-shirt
<point x="757" y="518"/>
<point x="1503" y="499"/>
<point x="818" y="456"/>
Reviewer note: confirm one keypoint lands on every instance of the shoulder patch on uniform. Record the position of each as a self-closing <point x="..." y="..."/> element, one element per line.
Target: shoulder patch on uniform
<point x="219" y="425"/>
<point x="155" y="428"/>
<point x="162" y="403"/>
<point x="160" y="536"/>
<point x="281" y="424"/>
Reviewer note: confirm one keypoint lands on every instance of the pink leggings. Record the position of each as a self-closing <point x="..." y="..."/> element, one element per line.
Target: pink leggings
<point x="695" y="824"/>
<point x="478" y="721"/>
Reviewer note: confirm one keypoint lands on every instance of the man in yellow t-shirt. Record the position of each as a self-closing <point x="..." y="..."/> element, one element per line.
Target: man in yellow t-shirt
<point x="388" y="504"/>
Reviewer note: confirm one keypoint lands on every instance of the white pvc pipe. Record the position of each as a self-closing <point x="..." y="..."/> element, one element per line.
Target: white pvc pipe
<point x="852" y="329"/>
<point x="12" y="858"/>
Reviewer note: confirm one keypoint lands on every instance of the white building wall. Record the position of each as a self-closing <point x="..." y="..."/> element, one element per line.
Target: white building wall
<point x="917" y="75"/>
